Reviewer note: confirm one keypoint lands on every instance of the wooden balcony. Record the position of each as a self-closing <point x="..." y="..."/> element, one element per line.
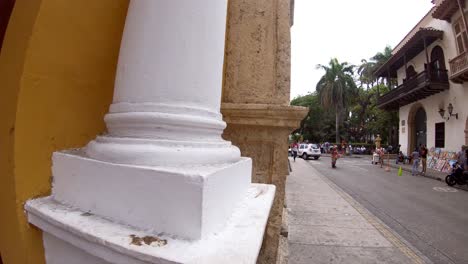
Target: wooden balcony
<point x="416" y="88"/>
<point x="445" y="9"/>
<point x="459" y="68"/>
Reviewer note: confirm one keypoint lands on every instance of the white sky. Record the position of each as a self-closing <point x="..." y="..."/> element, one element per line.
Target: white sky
<point x="349" y="30"/>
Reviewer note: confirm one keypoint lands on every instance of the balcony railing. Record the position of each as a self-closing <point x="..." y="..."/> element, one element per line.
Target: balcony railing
<point x="459" y="68"/>
<point x="416" y="88"/>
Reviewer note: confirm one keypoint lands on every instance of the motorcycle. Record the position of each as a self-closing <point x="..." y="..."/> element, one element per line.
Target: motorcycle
<point x="457" y="176"/>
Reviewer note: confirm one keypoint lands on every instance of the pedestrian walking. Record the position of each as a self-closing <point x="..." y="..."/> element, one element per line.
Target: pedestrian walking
<point x="380" y="152"/>
<point x="295" y="149"/>
<point x="423" y="153"/>
<point x="334" y="156"/>
<point x="415" y="157"/>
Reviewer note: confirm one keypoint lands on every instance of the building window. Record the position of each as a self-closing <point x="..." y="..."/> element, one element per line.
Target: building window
<point x="460" y="36"/>
<point x="440" y="135"/>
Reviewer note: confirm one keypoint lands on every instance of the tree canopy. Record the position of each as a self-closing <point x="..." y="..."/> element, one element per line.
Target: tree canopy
<point x="336" y="88"/>
<point x="344" y="105"/>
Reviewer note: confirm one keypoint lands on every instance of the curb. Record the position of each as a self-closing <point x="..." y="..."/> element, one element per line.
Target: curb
<point x="433" y="177"/>
<point x="437" y="178"/>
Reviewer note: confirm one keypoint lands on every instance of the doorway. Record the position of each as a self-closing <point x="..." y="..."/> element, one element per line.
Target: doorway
<point x="420" y="131"/>
<point x="438" y="63"/>
<point x="438" y="58"/>
<point x="417" y="127"/>
<point x="410" y="72"/>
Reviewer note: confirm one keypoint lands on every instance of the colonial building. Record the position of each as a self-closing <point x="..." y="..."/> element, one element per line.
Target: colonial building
<point x="430" y="66"/>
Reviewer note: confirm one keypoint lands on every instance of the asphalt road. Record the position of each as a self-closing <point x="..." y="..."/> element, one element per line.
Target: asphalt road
<point x="430" y="216"/>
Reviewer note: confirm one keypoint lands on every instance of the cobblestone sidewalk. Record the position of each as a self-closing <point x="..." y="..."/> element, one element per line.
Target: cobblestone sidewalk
<point x="326" y="225"/>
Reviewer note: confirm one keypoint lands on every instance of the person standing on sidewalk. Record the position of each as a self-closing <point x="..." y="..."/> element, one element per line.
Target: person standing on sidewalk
<point x="295" y="149"/>
<point x="423" y="153"/>
<point x="398" y="151"/>
<point x="415" y="157"/>
<point x="462" y="157"/>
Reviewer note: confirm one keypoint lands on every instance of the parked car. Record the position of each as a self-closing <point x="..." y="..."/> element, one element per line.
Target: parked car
<point x="309" y="150"/>
<point x="358" y="150"/>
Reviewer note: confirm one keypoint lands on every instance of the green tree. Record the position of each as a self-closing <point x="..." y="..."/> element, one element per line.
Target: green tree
<point x="318" y="125"/>
<point x="367" y="67"/>
<point x="381" y="121"/>
<point x="379" y="59"/>
<point x="335" y="89"/>
<point x="359" y="114"/>
<point x="340" y="109"/>
<point x="366" y="73"/>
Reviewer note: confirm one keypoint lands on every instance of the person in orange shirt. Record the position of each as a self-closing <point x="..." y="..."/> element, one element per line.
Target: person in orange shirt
<point x="381" y="154"/>
<point x="334" y="156"/>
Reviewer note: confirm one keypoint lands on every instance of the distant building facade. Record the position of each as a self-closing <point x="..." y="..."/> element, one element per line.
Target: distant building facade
<point x="431" y="68"/>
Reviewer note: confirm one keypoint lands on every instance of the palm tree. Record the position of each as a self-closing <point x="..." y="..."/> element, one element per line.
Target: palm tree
<point x="335" y="88"/>
<point x="366" y="73"/>
<point x="367" y="67"/>
<point x="380" y="58"/>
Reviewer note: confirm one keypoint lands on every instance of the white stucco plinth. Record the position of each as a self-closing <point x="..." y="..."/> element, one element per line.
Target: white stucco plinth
<point x="72" y="235"/>
<point x="187" y="202"/>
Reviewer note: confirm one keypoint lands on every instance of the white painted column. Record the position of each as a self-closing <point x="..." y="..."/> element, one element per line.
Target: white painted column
<point x="162" y="171"/>
<point x="166" y="108"/>
<point x="165" y="115"/>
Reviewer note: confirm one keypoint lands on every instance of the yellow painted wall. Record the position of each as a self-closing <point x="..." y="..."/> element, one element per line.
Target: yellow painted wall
<point x="57" y="71"/>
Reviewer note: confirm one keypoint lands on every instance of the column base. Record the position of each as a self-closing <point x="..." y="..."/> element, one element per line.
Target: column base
<point x="157" y="152"/>
<point x="73" y="236"/>
<point x="186" y="202"/>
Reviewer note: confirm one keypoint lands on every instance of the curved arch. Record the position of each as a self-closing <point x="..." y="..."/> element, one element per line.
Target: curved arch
<point x="6" y="7"/>
<point x="410" y="72"/>
<point x="52" y="100"/>
<point x="415" y="108"/>
<point x="438" y="58"/>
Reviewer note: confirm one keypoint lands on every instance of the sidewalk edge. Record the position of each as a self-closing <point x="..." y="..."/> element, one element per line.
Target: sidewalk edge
<point x="398" y="241"/>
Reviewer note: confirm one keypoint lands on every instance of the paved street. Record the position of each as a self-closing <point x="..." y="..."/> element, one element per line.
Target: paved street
<point x="421" y="212"/>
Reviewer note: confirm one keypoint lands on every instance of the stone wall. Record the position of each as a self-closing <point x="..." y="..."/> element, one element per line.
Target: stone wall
<point x="257" y="62"/>
<point x="256" y="94"/>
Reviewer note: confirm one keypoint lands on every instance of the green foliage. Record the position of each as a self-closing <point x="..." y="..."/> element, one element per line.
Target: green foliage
<point x="319" y="124"/>
<point x="336" y="89"/>
<point x="344" y="105"/>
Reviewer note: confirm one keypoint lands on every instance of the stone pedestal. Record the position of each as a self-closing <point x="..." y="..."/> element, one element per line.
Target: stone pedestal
<point x="161" y="186"/>
<point x="261" y="132"/>
<point x="255" y="102"/>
